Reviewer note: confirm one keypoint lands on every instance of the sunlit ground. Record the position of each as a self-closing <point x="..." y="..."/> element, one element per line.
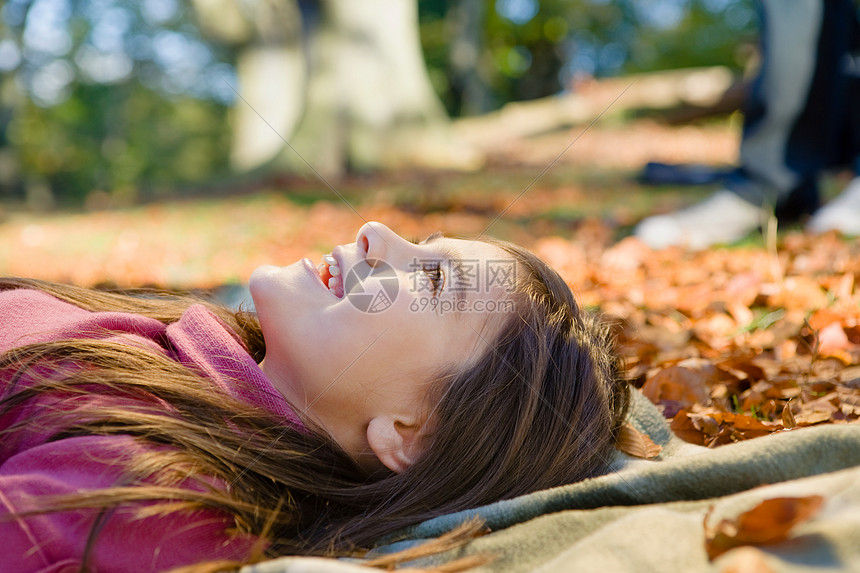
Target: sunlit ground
<point x="206" y="241"/>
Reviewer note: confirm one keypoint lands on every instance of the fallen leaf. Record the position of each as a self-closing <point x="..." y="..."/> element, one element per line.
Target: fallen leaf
<point x="823" y="318"/>
<point x="770" y="521"/>
<point x="832" y="338"/>
<point x="740" y="312"/>
<point x="851" y="377"/>
<point x="633" y="442"/>
<point x="744" y="288"/>
<point x="746" y="560"/>
<point x="677" y="384"/>
<point x="746" y="422"/>
<point x="716" y="330"/>
<point x="801" y="292"/>
<point x="684" y="428"/>
<point x="813" y="417"/>
<point x="786" y="349"/>
<point x="850" y="401"/>
<point x="706" y="423"/>
<point x="787" y="417"/>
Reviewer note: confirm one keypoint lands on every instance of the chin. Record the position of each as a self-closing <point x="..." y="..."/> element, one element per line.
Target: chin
<point x="269" y="280"/>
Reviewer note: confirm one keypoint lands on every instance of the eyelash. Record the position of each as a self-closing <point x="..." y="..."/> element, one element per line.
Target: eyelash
<point x="433" y="271"/>
<point x="435" y="274"/>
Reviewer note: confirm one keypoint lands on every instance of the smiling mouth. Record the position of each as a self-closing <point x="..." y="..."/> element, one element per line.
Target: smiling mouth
<point x="330" y="274"/>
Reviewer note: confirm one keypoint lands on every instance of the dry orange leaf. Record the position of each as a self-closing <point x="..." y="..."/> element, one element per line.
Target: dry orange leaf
<point x="787" y="417"/>
<point x="633" y="442"/>
<point x="745" y="422"/>
<point x="684" y="428"/>
<point x="747" y="560"/>
<point x="770" y="521"/>
<point x="824" y="317"/>
<point x="801" y="292"/>
<point x="832" y="338"/>
<point x="677" y="384"/>
<point x="810" y="418"/>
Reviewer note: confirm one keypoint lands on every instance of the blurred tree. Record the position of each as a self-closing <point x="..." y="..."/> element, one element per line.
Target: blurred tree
<point x="369" y="100"/>
<point x="110" y="99"/>
<point x="270" y="64"/>
<point x="526" y="49"/>
<point x="468" y="74"/>
<point x="10" y="175"/>
<point x="359" y="99"/>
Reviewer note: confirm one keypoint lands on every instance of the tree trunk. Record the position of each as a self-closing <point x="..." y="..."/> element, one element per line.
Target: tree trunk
<point x="355" y="95"/>
<point x="271" y="69"/>
<point x="467" y="17"/>
<point x="369" y="100"/>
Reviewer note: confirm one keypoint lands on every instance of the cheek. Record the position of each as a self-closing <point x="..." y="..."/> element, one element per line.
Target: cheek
<point x="371" y="344"/>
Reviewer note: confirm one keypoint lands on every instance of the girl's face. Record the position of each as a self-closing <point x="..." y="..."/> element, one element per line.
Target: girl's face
<point x="358" y="359"/>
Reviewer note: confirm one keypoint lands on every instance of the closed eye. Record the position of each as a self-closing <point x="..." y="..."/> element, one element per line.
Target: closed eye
<point x="433" y="270"/>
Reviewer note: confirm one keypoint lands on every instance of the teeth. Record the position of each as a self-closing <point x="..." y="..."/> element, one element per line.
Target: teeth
<point x="335" y="285"/>
<point x="331" y="262"/>
<point x="335" y="281"/>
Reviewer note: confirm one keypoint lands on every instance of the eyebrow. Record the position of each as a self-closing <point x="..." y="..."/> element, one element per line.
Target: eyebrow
<point x="454" y="262"/>
<point x="433" y="237"/>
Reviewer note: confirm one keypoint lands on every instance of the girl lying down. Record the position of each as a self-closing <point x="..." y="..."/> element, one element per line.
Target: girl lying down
<point x="390" y="384"/>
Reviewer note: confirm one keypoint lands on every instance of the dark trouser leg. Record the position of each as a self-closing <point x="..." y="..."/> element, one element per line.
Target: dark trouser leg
<point x="853" y="123"/>
<point x="796" y="118"/>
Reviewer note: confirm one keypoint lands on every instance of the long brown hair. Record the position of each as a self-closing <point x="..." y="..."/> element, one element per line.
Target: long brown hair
<point x="542" y="407"/>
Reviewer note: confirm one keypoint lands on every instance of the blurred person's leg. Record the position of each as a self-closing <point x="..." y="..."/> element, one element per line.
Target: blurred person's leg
<point x="843" y="213"/>
<point x="794" y="121"/>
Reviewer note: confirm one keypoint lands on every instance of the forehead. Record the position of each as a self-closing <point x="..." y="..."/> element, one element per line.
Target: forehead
<point x="470" y="249"/>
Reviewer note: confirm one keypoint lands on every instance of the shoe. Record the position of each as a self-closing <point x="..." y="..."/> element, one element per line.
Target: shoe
<point x="841" y="214"/>
<point x="656" y="173"/>
<point x="723" y="218"/>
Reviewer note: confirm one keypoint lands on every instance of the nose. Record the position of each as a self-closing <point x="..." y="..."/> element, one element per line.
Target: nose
<point x="377" y="242"/>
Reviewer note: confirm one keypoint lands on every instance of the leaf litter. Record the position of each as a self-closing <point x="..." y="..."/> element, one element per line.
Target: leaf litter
<point x="770" y="521"/>
<point x="730" y="343"/>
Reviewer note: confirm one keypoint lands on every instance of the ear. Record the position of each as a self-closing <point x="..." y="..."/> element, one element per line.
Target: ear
<point x="396" y="443"/>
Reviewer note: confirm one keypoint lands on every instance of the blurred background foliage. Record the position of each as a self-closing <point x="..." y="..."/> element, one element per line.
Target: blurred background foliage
<point x="105" y="97"/>
<point x="114" y="102"/>
<point x="534" y="48"/>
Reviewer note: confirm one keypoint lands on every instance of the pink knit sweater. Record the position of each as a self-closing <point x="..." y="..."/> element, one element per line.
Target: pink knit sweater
<point x="31" y="466"/>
